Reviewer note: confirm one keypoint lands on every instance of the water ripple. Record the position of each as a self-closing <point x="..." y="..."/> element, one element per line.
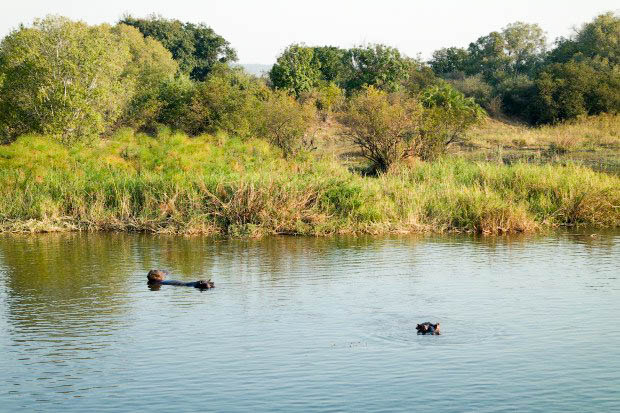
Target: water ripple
<point x="306" y="324"/>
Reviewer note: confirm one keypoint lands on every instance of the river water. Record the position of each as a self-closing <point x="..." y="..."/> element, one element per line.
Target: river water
<point x="310" y="324"/>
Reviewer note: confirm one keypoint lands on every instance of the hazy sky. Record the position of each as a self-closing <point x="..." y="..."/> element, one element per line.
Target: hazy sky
<point x="260" y="30"/>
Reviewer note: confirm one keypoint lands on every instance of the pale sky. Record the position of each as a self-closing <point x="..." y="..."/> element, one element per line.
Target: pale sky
<point x="260" y="30"/>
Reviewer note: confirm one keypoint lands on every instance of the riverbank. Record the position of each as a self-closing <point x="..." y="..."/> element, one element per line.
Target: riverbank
<point x="592" y="141"/>
<point x="222" y="185"/>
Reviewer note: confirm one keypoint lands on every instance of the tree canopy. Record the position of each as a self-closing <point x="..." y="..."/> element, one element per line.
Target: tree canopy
<point x="72" y="81"/>
<point x="196" y="47"/>
<point x="580" y="75"/>
<point x="296" y="70"/>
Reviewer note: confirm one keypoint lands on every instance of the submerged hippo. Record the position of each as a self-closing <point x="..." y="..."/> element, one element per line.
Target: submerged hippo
<point x="158" y="277"/>
<point x="428" y="328"/>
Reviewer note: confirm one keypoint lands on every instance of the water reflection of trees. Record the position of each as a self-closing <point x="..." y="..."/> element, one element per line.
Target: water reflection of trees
<point x="64" y="283"/>
<point x="74" y="281"/>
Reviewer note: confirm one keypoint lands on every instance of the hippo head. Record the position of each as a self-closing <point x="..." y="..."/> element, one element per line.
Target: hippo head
<point x="156" y="276"/>
<point x="428" y="328"/>
<point x="205" y="285"/>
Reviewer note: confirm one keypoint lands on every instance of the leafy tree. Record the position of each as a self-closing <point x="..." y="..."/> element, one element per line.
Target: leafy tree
<point x="419" y="77"/>
<point x="375" y="65"/>
<point x="330" y="61"/>
<point x="568" y="90"/>
<point x="525" y="46"/>
<point x="517" y="49"/>
<point x="62" y="78"/>
<point x="486" y="56"/>
<point x="285" y="122"/>
<point x="226" y="101"/>
<point x="448" y="114"/>
<point x="599" y="39"/>
<point x="449" y="60"/>
<point x="196" y="47"/>
<point x="295" y="70"/>
<point x="582" y="75"/>
<point x="383" y="126"/>
<point x="150" y="66"/>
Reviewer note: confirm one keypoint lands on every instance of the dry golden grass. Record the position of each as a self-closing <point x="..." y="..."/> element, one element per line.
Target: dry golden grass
<point x="602" y="131"/>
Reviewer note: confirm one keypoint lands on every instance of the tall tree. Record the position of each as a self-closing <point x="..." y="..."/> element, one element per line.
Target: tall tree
<point x="449" y="60"/>
<point x="61" y="78"/>
<point x="196" y="47"/>
<point x="72" y="81"/>
<point x="376" y="65"/>
<point x="330" y="60"/>
<point x="598" y="39"/>
<point x="517" y="49"/>
<point x="296" y="70"/>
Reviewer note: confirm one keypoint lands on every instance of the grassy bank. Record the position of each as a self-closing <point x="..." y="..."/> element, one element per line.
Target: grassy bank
<point x="593" y="141"/>
<point x="227" y="186"/>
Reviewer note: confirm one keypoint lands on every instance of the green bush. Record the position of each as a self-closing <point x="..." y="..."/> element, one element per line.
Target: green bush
<point x="196" y="47"/>
<point x="474" y="87"/>
<point x="568" y="90"/>
<point x="517" y="94"/>
<point x="71" y="81"/>
<point x="383" y="126"/>
<point x="448" y="114"/>
<point x="226" y="101"/>
<point x="174" y="100"/>
<point x="285" y="122"/>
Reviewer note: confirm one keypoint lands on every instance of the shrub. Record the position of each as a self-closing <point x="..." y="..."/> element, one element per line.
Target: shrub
<point x="383" y="126"/>
<point x="226" y="101"/>
<point x="568" y="90"/>
<point x="517" y="94"/>
<point x="447" y="116"/>
<point x="285" y="122"/>
<point x="326" y="97"/>
<point x="174" y="100"/>
<point x="474" y="87"/>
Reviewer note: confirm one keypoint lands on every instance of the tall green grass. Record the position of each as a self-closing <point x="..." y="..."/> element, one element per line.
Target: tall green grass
<point x="217" y="184"/>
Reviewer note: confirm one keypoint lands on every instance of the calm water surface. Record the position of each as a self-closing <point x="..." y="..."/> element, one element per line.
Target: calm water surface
<point x="305" y="324"/>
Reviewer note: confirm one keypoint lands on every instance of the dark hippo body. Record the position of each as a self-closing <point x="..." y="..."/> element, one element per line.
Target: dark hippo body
<point x="428" y="328"/>
<point x="196" y="284"/>
<point x="157" y="278"/>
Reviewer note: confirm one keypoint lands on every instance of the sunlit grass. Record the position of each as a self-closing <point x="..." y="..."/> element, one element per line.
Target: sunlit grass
<point x="222" y="185"/>
<point x="602" y="131"/>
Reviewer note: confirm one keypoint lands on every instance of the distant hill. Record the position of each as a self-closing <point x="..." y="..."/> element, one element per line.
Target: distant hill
<point x="255" y="69"/>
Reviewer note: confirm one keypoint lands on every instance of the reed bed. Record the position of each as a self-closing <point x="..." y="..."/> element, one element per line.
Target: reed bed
<point x="222" y="185"/>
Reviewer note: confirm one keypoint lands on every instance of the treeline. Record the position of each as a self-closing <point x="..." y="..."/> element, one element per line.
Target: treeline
<point x="74" y="82"/>
<point x="513" y="71"/>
